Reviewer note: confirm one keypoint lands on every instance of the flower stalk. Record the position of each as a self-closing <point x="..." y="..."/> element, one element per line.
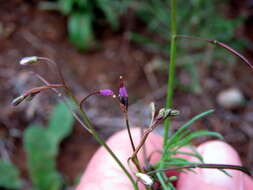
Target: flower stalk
<point x="84" y="120"/>
<point x="220" y="44"/>
<point x="171" y="78"/>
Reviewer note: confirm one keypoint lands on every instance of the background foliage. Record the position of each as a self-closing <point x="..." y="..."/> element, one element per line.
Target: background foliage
<point x="41" y="145"/>
<point x="84" y="15"/>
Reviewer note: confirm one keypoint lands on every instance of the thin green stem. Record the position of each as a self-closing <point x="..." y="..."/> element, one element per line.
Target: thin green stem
<point x="85" y="119"/>
<point x="170" y="88"/>
<point x="135" y="158"/>
<point x="161" y="180"/>
<point x="101" y="141"/>
<point x="171" y="78"/>
<point x="128" y="130"/>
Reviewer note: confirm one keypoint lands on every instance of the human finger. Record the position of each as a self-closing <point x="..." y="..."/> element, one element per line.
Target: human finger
<point x="216" y="152"/>
<point x="103" y="173"/>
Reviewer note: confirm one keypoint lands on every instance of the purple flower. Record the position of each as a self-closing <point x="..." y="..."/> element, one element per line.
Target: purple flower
<point x="106" y="92"/>
<point x="123" y="92"/>
<point x="122" y="88"/>
<point x="123" y="96"/>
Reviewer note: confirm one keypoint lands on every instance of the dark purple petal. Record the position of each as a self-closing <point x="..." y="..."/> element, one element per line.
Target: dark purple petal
<point x="106" y="92"/>
<point x="123" y="96"/>
<point x="123" y="92"/>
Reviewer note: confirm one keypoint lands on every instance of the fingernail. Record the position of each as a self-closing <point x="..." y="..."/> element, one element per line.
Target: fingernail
<point x="217" y="152"/>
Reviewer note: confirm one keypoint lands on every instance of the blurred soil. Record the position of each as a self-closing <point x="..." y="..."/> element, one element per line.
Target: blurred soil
<point x="27" y="31"/>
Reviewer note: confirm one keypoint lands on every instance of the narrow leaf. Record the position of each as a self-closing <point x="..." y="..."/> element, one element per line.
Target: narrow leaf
<point x="176" y="135"/>
<point x="196" y="134"/>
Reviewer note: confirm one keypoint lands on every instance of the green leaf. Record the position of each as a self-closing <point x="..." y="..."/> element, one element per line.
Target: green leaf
<point x="196" y="155"/>
<point x="83" y="4"/>
<point x="66" y="6"/>
<point x="182" y="131"/>
<point x="60" y="123"/>
<point x="41" y="155"/>
<point x="186" y="140"/>
<point x="174" y="161"/>
<point x="110" y="13"/>
<point x="81" y="31"/>
<point x="9" y="175"/>
<point x="42" y="144"/>
<point x="171" y="186"/>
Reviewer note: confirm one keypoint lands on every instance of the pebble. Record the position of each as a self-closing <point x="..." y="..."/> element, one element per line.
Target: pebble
<point x="230" y="98"/>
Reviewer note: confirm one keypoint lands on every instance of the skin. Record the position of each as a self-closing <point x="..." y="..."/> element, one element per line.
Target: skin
<point x="102" y="173"/>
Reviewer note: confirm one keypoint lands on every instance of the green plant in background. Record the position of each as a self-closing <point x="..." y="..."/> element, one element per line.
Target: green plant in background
<point x="42" y="146"/>
<point x="198" y="17"/>
<point x="10" y="178"/>
<point x="195" y="17"/>
<point x="83" y="15"/>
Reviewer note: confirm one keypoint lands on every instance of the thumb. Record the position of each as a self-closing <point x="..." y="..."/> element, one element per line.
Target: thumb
<point x="215" y="152"/>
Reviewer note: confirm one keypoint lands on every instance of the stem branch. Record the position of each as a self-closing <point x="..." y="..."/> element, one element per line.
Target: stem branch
<point x="170" y="88"/>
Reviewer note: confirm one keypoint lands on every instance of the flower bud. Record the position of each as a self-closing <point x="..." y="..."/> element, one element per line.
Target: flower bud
<point x="171" y="112"/>
<point x="106" y="92"/>
<point x="145" y="179"/>
<point x="28" y="60"/>
<point x="164" y="113"/>
<point x="173" y="178"/>
<point x="123" y="92"/>
<point x="161" y="114"/>
<point x="18" y="100"/>
<point x="123" y="96"/>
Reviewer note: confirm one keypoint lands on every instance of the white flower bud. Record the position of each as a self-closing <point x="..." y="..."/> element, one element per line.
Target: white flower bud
<point x="161" y="114"/>
<point x="18" y="100"/>
<point x="28" y="60"/>
<point x="145" y="179"/>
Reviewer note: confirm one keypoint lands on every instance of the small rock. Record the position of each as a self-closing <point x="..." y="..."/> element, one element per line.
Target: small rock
<point x="230" y="98"/>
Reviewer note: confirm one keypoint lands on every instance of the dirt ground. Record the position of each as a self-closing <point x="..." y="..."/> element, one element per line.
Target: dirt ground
<point x="27" y="31"/>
